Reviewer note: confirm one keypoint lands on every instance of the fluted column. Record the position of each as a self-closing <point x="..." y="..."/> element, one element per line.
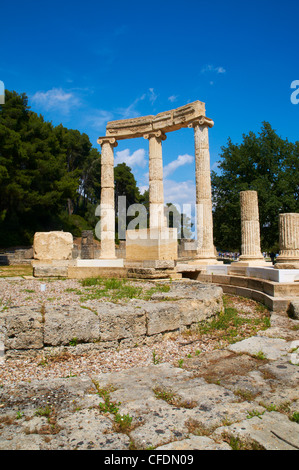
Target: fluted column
<point x="250" y="227"/>
<point x="156" y="191"/>
<point x="107" y="198"/>
<point x="289" y="241"/>
<point x="205" y="244"/>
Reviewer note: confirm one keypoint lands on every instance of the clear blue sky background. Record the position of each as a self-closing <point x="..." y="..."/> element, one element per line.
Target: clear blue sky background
<point x="85" y="63"/>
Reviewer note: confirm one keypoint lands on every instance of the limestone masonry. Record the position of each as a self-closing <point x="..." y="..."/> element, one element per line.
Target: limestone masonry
<point x="154" y="129"/>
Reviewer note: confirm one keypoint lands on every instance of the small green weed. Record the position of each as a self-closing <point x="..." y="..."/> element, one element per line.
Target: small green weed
<point x="254" y="413"/>
<point x="73" y="342"/>
<point x="44" y="411"/>
<point x="156" y="358"/>
<point x="19" y="415"/>
<point x="123" y="422"/>
<point x="180" y="362"/>
<point x="260" y="355"/>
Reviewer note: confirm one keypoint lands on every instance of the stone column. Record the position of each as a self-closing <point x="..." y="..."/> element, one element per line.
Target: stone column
<point x="289" y="241"/>
<point x="250" y="229"/>
<point x="205" y="244"/>
<point x="107" y="198"/>
<point x="156" y="191"/>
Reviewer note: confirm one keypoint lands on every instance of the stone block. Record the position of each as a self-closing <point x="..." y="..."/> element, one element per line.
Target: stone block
<point x="83" y="272"/>
<point x="24" y="328"/>
<point x="162" y="318"/>
<point x="52" y="245"/>
<point x="119" y="322"/>
<point x="151" y="244"/>
<point x="159" y="264"/>
<point x="62" y="325"/>
<point x="50" y="271"/>
<point x="293" y="310"/>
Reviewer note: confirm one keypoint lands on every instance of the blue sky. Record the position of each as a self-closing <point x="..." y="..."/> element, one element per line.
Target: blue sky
<point x="83" y="64"/>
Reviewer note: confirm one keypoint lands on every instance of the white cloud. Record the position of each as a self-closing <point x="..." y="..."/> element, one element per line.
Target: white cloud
<point x="130" y="111"/>
<point x="212" y="68"/>
<point x="172" y="98"/>
<point x="153" y="96"/>
<point x="98" y="119"/>
<point x="215" y="166"/>
<point x="180" y="161"/>
<point x="143" y="188"/>
<point x="180" y="193"/>
<point x="56" y="99"/>
<point x="136" y="159"/>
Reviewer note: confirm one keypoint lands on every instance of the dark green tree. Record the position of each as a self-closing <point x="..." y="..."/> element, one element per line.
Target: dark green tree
<point x="45" y="174"/>
<point x="265" y="163"/>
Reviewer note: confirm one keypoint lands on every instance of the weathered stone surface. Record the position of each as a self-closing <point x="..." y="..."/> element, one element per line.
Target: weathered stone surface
<point x="86" y="430"/>
<point x="23" y="328"/>
<point x="294" y="309"/>
<point x="50" y="271"/>
<point x="119" y="322"/>
<point x="205" y="245"/>
<point x="53" y="245"/>
<point x="65" y="325"/>
<point x="271" y="431"/>
<point x="166" y="121"/>
<point x="195" y="443"/>
<point x="152" y="244"/>
<point x="289" y="241"/>
<point x="250" y="228"/>
<point x="109" y="325"/>
<point x="272" y="348"/>
<point x="76" y="421"/>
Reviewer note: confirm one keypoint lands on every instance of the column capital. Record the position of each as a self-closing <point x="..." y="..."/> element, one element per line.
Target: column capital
<point x="107" y="140"/>
<point x="158" y="134"/>
<point x="202" y="121"/>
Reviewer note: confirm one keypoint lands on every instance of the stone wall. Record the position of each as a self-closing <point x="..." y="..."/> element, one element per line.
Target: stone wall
<point x="26" y="331"/>
<point x="16" y="256"/>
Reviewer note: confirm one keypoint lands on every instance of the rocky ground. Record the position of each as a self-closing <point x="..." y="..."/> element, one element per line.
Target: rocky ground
<point x="230" y="385"/>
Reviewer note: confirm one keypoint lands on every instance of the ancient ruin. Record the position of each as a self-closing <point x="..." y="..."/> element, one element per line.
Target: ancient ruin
<point x="154" y="252"/>
<point x="289" y="241"/>
<point x="251" y="254"/>
<point x="159" y="242"/>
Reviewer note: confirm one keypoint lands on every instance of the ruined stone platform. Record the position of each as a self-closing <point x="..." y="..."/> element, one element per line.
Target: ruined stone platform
<point x="274" y="288"/>
<point x="223" y="400"/>
<point x="100" y="326"/>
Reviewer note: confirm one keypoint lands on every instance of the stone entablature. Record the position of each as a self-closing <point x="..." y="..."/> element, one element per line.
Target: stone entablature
<point x="167" y="121"/>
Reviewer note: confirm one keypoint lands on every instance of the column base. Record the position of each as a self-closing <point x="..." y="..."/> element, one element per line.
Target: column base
<point x="204" y="262"/>
<point x="287" y="264"/>
<point x="251" y="262"/>
<point x="151" y="244"/>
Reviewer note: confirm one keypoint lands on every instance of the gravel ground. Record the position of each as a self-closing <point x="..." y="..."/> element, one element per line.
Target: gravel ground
<point x="173" y="349"/>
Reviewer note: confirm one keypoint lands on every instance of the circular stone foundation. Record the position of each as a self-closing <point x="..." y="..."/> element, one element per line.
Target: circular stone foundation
<point x="103" y="325"/>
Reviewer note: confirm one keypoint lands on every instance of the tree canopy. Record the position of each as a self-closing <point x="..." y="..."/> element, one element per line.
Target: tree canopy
<point x="265" y="163"/>
<point x="50" y="176"/>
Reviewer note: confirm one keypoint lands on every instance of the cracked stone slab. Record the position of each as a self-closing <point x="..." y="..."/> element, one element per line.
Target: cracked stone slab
<point x="163" y="425"/>
<point x="272" y="348"/>
<point x="195" y="443"/>
<point x="88" y="429"/>
<point x="271" y="431"/>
